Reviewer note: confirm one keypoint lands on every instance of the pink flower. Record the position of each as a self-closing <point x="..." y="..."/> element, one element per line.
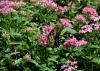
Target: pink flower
<point x="86" y="28"/>
<point x="72" y="62"/>
<point x="74" y="42"/>
<point x="95" y="26"/>
<point x="61" y="9"/>
<point x="95" y="18"/>
<point x="80" y="18"/>
<point x="48" y="4"/>
<point x="34" y="1"/>
<point x="7" y="3"/>
<point x="6" y="10"/>
<point x="51" y="4"/>
<point x="81" y="43"/>
<point x="43" y="40"/>
<point x="47" y="29"/>
<point x="19" y="4"/>
<point x="66" y="69"/>
<point x="70" y="42"/>
<point x="70" y="66"/>
<point x="65" y="22"/>
<point x="90" y="11"/>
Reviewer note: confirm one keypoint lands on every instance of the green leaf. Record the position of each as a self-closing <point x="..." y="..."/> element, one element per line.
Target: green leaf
<point x="96" y="60"/>
<point x="33" y="61"/>
<point x="43" y="67"/>
<point x="79" y="70"/>
<point x="94" y="46"/>
<point x="70" y="30"/>
<point x="52" y="59"/>
<point x="15" y="43"/>
<point x="18" y="61"/>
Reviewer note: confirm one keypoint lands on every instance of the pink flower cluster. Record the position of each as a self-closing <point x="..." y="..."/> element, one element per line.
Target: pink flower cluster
<point x="43" y="40"/>
<point x="95" y="26"/>
<point x="7" y="3"/>
<point x="95" y="18"/>
<point x="7" y="10"/>
<point x="12" y="3"/>
<point x="6" y="7"/>
<point x="90" y="11"/>
<point x="89" y="28"/>
<point x="61" y="9"/>
<point x="44" y="37"/>
<point x="70" y="66"/>
<point x="65" y="22"/>
<point x="47" y="29"/>
<point x="74" y="42"/>
<point x="80" y="18"/>
<point x="50" y="4"/>
<point x="86" y="28"/>
<point x="19" y="4"/>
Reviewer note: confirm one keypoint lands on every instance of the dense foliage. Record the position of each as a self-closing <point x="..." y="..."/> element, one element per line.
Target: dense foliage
<point x="50" y="35"/>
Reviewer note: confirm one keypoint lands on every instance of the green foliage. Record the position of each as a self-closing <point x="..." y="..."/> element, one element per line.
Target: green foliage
<point x="21" y="51"/>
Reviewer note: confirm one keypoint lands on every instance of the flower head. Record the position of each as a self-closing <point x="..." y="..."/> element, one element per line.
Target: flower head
<point x="43" y="40"/>
<point x="7" y="3"/>
<point x="69" y="66"/>
<point x="90" y="11"/>
<point x="74" y="42"/>
<point x="95" y="26"/>
<point x="19" y="4"/>
<point x="47" y="29"/>
<point x="80" y="18"/>
<point x="65" y="22"/>
<point x="71" y="42"/>
<point x="95" y="18"/>
<point x="86" y="28"/>
<point x="6" y="10"/>
<point x="61" y="9"/>
<point x="81" y="43"/>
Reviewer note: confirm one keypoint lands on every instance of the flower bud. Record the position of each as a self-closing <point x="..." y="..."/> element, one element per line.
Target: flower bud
<point x="6" y="35"/>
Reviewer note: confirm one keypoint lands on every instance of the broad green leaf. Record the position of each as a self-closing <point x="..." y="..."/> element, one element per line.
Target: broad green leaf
<point x="36" y="63"/>
<point x="96" y="60"/>
<point x="52" y="59"/>
<point x="69" y="30"/>
<point x="18" y="61"/>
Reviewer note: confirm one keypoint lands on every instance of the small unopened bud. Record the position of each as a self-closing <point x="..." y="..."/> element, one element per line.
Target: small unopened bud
<point x="22" y="12"/>
<point x="27" y="57"/>
<point x="49" y="49"/>
<point x="29" y="29"/>
<point x="6" y="35"/>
